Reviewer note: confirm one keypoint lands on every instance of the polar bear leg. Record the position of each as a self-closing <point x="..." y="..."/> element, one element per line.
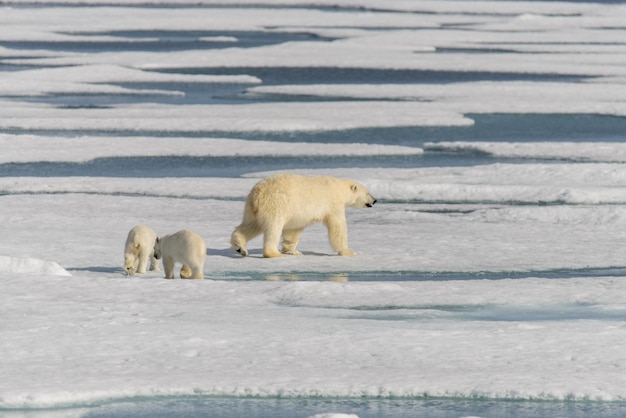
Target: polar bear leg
<point x="196" y="272"/>
<point x="168" y="266"/>
<point x="271" y="239"/>
<point x="244" y="233"/>
<point x="185" y="272"/>
<point x="338" y="234"/>
<point x="154" y="264"/>
<point x="290" y="241"/>
<point x="143" y="261"/>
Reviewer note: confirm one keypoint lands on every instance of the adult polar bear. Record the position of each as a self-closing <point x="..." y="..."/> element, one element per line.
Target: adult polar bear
<point x="284" y="204"/>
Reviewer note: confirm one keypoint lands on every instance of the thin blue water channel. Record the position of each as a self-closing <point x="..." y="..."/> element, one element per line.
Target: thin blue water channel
<point x="413" y="276"/>
<point x="164" y="40"/>
<point x="175" y="166"/>
<point x="179" y="94"/>
<point x="203" y="407"/>
<point x="346" y="75"/>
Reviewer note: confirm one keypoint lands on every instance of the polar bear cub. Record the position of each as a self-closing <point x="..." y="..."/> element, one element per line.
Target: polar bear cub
<point x="284" y="204"/>
<point x="184" y="247"/>
<point x="139" y="249"/>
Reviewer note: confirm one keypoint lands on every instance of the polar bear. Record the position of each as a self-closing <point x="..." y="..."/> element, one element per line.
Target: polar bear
<point x="184" y="247"/>
<point x="284" y="204"/>
<point x="138" y="249"/>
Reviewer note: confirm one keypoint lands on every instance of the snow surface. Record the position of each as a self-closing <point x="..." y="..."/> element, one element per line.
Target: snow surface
<point x="432" y="305"/>
<point x="317" y="116"/>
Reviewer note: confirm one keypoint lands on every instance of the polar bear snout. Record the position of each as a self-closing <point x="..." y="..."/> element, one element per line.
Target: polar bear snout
<point x="156" y="251"/>
<point x="371" y="201"/>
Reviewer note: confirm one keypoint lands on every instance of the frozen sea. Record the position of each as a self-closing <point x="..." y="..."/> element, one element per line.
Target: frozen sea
<point x="489" y="279"/>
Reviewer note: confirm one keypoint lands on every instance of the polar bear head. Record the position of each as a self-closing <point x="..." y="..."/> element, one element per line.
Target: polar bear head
<point x="131" y="262"/>
<point x="157" y="249"/>
<point x="360" y="197"/>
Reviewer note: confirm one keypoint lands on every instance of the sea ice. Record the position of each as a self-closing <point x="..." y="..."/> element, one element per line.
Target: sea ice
<point x="496" y="281"/>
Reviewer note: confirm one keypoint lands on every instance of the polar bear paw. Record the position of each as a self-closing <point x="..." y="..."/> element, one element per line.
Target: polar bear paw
<point x="185" y="272"/>
<point x="271" y="253"/>
<point x="347" y="252"/>
<point x="291" y="252"/>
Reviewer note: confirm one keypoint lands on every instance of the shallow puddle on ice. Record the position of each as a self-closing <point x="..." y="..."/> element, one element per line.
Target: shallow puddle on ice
<point x="300" y="408"/>
<point x="508" y="313"/>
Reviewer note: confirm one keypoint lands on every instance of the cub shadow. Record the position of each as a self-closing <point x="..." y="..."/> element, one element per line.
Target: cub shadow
<point x="222" y="252"/>
<point x="116" y="271"/>
<point x="230" y="253"/>
<point x="97" y="269"/>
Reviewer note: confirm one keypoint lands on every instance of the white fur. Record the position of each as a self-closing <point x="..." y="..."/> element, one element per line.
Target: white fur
<point x="284" y="204"/>
<point x="184" y="247"/>
<point x="139" y="249"/>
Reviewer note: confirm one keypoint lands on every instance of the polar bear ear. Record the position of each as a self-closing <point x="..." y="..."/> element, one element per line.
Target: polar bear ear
<point x="354" y="187"/>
